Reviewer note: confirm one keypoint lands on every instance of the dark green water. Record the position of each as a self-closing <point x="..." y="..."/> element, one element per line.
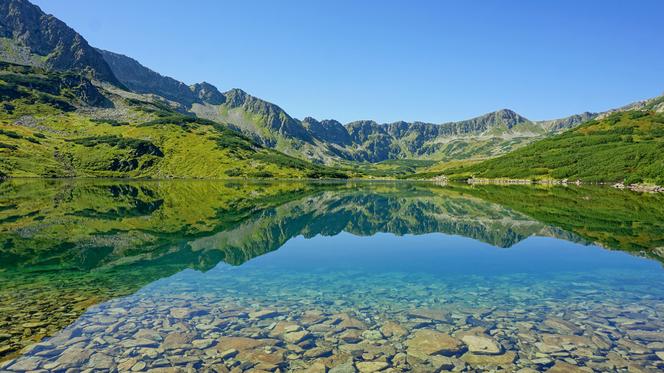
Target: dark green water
<point x="221" y="276"/>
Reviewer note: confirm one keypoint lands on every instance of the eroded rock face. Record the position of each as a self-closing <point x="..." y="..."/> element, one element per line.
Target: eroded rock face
<point x="44" y="35"/>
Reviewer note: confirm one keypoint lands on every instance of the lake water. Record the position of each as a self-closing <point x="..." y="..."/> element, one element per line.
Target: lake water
<point x="341" y="277"/>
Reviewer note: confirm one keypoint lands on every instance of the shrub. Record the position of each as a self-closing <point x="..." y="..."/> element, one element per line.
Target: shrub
<point x="633" y="179"/>
<point x="233" y="172"/>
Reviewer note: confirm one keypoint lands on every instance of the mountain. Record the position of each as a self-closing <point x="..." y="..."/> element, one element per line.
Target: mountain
<point x="139" y="78"/>
<point x="625" y="145"/>
<point x="28" y="36"/>
<point x="145" y="99"/>
<point x="61" y="124"/>
<point x="328" y="141"/>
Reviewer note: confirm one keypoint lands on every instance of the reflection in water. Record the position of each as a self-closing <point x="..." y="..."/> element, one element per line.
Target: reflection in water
<point x="363" y="275"/>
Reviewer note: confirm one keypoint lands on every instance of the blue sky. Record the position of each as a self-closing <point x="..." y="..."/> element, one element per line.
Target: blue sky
<point x="394" y="60"/>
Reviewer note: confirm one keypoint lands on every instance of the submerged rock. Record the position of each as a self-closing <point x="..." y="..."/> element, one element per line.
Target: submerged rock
<point x="489" y="360"/>
<point x="482" y="345"/>
<point x="428" y="342"/>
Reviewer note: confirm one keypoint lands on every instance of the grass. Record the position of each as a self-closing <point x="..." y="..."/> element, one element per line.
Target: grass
<point x="625" y="146"/>
<point x="148" y="140"/>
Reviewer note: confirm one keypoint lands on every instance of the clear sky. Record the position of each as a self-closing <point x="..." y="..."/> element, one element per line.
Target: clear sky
<point x="394" y="60"/>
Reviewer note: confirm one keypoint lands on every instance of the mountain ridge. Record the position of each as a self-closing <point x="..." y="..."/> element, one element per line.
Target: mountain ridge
<point x="30" y="35"/>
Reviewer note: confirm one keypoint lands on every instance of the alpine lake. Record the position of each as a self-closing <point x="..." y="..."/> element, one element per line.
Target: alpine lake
<point x="240" y="276"/>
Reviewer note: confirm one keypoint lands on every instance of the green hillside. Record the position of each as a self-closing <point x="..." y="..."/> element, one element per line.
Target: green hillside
<point x="623" y="146"/>
<point x="60" y="124"/>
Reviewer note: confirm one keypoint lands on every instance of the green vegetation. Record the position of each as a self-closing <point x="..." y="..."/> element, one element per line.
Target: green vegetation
<point x="624" y="146"/>
<point x="391" y="169"/>
<point x="57" y="124"/>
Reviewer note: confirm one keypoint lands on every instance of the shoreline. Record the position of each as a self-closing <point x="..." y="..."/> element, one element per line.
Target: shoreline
<point x="441" y="180"/>
<point x="644" y="188"/>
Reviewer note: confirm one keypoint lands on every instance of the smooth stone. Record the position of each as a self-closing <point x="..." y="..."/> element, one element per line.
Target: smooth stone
<point x="562" y="367"/>
<point x="181" y="313"/>
<point x="263" y="314"/>
<point x="660" y="354"/>
<point x="318" y="352"/>
<point x="296" y="337"/>
<point x="31" y="363"/>
<point x="428" y="342"/>
<point x="130" y="343"/>
<point x="73" y="357"/>
<point x="504" y="359"/>
<point x="371" y="366"/>
<point x="372" y="335"/>
<point x="348" y="322"/>
<point x="177" y="340"/>
<point x="228" y="354"/>
<point x="351" y="336"/>
<point x="283" y="327"/>
<point x="441" y="362"/>
<point x="482" y="345"/>
<point x="148" y="334"/>
<point x="166" y="370"/>
<point x="202" y="343"/>
<point x="243" y="343"/>
<point x="343" y="368"/>
<point x="141" y="365"/>
<point x="562" y="326"/>
<point x="101" y="361"/>
<point x="316" y="367"/>
<point x="393" y="329"/>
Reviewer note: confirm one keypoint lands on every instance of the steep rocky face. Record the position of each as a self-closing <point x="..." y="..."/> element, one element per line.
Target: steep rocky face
<point x="505" y="117"/>
<point x="206" y="92"/>
<point x="267" y="115"/>
<point x="49" y="41"/>
<point x="556" y="125"/>
<point x="141" y="79"/>
<point x="330" y="131"/>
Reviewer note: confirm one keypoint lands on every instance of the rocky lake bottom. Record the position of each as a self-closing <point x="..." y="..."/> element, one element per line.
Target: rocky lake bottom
<point x="314" y="306"/>
<point x="328" y="278"/>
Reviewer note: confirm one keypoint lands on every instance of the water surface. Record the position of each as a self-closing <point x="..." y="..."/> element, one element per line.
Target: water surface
<point x="113" y="275"/>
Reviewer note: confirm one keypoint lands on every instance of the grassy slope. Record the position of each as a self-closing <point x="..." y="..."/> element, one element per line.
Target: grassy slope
<point x="44" y="132"/>
<point x="625" y="146"/>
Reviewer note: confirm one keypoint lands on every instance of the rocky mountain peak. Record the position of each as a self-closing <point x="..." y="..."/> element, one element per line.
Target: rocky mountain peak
<point x="56" y="45"/>
<point x="236" y="97"/>
<point x="208" y="93"/>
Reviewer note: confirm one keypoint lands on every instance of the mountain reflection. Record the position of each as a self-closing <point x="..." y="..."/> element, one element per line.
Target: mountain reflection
<point x="65" y="245"/>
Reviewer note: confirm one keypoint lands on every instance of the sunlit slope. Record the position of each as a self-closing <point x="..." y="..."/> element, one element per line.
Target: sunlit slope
<point x="624" y="146"/>
<point x="56" y="124"/>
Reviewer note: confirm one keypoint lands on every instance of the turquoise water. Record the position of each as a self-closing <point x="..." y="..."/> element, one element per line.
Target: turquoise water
<point x="360" y="280"/>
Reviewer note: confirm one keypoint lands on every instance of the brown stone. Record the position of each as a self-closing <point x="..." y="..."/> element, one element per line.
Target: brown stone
<point x="562" y="367"/>
<point x="243" y="343"/>
<point x="430" y="342"/>
<point x="393" y="329"/>
<point x="492" y="360"/>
